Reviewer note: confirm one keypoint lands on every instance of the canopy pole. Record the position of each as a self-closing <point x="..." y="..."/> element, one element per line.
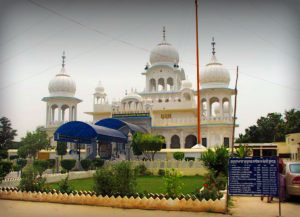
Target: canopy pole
<point x="198" y="79"/>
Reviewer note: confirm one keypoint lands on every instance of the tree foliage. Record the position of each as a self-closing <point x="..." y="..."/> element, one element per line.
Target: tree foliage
<point x="272" y="128"/>
<point x="68" y="164"/>
<point x="7" y="133"/>
<point x="40" y="166"/>
<point x="178" y="155"/>
<point x="30" y="181"/>
<point x="217" y="160"/>
<point x="61" y="149"/>
<point x="147" y="144"/>
<point x="33" y="142"/>
<point x="5" y="168"/>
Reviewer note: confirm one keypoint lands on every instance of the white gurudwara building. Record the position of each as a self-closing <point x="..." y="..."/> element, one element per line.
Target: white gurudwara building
<point x="168" y="105"/>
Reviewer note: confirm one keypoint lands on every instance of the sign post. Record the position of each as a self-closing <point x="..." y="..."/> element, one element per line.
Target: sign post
<point x="254" y="176"/>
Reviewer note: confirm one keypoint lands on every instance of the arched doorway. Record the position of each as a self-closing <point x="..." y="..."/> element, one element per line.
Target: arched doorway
<point x="190" y="141"/>
<point x="175" y="141"/>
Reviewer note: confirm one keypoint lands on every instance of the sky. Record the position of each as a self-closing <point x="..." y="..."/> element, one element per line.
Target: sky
<point x="111" y="41"/>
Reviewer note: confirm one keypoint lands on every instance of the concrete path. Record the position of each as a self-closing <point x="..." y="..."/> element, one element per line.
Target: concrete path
<point x="253" y="206"/>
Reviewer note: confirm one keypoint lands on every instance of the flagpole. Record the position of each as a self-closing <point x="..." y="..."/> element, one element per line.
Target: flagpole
<point x="234" y="113"/>
<point x="198" y="79"/>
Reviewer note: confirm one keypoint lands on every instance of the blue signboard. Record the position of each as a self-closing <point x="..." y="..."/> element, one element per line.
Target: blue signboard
<point x="253" y="176"/>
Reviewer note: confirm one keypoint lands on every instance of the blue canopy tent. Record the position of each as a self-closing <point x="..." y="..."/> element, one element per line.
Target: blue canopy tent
<point x="122" y="126"/>
<point x="80" y="132"/>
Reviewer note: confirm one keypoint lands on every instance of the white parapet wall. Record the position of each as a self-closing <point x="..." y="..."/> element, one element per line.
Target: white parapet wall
<point x="119" y="202"/>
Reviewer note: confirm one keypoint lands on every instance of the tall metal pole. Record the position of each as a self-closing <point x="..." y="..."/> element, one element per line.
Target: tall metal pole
<point x="234" y="113"/>
<point x="198" y="79"/>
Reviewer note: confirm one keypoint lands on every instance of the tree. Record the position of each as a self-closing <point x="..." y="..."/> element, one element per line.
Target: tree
<point x="136" y="141"/>
<point x="292" y="119"/>
<point x="68" y="164"/>
<point x="5" y="168"/>
<point x="33" y="142"/>
<point x="147" y="144"/>
<point x="40" y="166"/>
<point x="7" y="133"/>
<point x="61" y="149"/>
<point x="178" y="155"/>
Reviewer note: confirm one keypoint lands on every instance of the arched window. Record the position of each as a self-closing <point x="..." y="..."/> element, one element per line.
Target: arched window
<point x="175" y="141"/>
<point x="161" y="84"/>
<point x="54" y="113"/>
<point x="215" y="108"/>
<point x="65" y="113"/>
<point x="226" y="107"/>
<point x="190" y="141"/>
<point x="170" y="84"/>
<point x="152" y="84"/>
<point x="204" y="108"/>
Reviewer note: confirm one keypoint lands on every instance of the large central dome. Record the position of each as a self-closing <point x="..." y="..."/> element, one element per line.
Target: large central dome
<point x="164" y="52"/>
<point x="62" y="85"/>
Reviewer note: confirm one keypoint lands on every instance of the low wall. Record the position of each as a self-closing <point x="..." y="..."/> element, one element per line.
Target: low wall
<point x="119" y="202"/>
<point x="188" y="168"/>
<point x="51" y="178"/>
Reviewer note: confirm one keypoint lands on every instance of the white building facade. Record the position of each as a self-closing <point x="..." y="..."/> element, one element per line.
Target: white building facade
<point x="168" y="105"/>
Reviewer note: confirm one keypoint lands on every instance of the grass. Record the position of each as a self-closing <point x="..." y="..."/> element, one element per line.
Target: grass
<point x="151" y="184"/>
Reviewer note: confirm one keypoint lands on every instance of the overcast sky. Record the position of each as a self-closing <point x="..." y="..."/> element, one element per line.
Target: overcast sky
<point x="111" y="41"/>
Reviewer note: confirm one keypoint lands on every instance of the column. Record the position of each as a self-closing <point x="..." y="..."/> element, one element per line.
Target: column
<point x="70" y="113"/>
<point x="208" y="107"/>
<point x="75" y="113"/>
<point x="59" y="113"/>
<point x="47" y="114"/>
<point x="221" y="107"/>
<point x="182" y="140"/>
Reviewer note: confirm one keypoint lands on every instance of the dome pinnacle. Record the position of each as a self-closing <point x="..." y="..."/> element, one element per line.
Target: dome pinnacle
<point x="213" y="43"/>
<point x="164" y="33"/>
<point x="63" y="59"/>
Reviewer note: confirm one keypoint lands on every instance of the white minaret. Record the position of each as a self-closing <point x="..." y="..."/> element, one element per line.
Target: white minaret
<point x="61" y="102"/>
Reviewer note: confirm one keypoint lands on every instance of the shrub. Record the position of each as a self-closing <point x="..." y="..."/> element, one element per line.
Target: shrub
<point x="21" y="162"/>
<point x="208" y="192"/>
<point x="104" y="181"/>
<point x="30" y="181"/>
<point x="40" y="166"/>
<point x="64" y="186"/>
<point x="189" y="158"/>
<point x="5" y="168"/>
<point x="97" y="163"/>
<point x="125" y="179"/>
<point x="63" y="171"/>
<point x="216" y="160"/>
<point x="161" y="172"/>
<point x="86" y="164"/>
<point x="68" y="164"/>
<point x="172" y="182"/>
<point x="51" y="163"/>
<point x="3" y="154"/>
<point x="178" y="155"/>
<point x="141" y="170"/>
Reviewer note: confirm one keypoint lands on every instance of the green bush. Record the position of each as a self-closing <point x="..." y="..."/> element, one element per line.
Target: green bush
<point x="51" y="163"/>
<point x="63" y="171"/>
<point x="172" y="182"/>
<point x="97" y="163"/>
<point x="216" y="160"/>
<point x="86" y="164"/>
<point x="3" y="154"/>
<point x="161" y="172"/>
<point x="141" y="170"/>
<point x="40" y="166"/>
<point x="21" y="162"/>
<point x="68" y="164"/>
<point x="5" y="168"/>
<point x="178" y="155"/>
<point x="64" y="186"/>
<point x="30" y="181"/>
<point x="189" y="158"/>
<point x="208" y="192"/>
<point x="104" y="181"/>
<point x="125" y="178"/>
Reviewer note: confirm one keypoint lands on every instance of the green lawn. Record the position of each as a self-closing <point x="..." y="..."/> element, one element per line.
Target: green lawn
<point x="151" y="184"/>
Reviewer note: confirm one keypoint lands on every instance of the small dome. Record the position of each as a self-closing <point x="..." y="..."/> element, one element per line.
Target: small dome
<point x="132" y="96"/>
<point x="99" y="88"/>
<point x="164" y="53"/>
<point x="214" y="75"/>
<point x="186" y="84"/>
<point x="62" y="85"/>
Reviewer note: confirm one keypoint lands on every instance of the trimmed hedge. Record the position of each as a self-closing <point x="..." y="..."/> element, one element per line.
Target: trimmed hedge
<point x="68" y="164"/>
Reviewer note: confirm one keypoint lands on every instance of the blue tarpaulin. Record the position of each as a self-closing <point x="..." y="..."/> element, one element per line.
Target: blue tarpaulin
<point x="80" y="132"/>
<point x="117" y="124"/>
